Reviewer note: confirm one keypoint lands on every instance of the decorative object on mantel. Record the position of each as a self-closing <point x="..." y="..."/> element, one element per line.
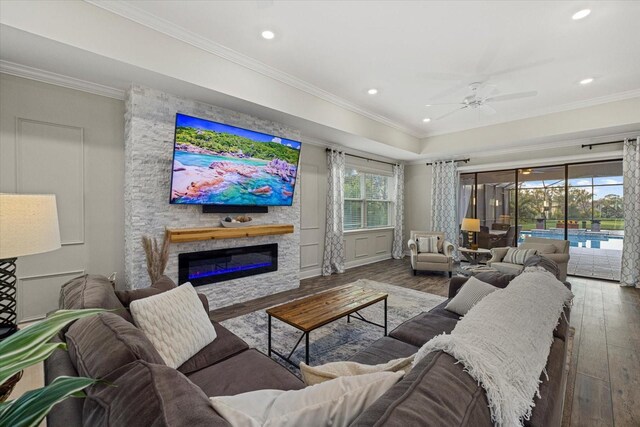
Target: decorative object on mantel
<point x="239" y="221"/>
<point x="28" y="225"/>
<point x="182" y="235"/>
<point x="157" y="255"/>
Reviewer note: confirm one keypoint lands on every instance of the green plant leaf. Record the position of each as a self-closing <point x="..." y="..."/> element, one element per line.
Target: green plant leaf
<point x="30" y="409"/>
<point x="31" y="344"/>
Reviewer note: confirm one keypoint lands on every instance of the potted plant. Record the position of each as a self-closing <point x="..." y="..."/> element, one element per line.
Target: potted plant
<point x="27" y="347"/>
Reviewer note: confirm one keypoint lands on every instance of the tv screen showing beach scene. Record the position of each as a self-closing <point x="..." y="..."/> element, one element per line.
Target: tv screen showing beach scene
<point x="218" y="164"/>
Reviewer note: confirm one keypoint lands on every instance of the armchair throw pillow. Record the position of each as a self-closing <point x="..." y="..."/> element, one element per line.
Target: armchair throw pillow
<point x="428" y="244"/>
<point x="175" y="323"/>
<point x="519" y="256"/>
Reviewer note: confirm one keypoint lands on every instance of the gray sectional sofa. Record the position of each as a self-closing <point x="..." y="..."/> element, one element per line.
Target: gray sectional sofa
<point x="139" y="392"/>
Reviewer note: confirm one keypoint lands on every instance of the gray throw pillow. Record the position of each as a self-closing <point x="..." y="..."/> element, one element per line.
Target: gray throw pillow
<point x="469" y="295"/>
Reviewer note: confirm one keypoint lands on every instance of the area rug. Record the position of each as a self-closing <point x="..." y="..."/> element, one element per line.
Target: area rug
<point x="338" y="340"/>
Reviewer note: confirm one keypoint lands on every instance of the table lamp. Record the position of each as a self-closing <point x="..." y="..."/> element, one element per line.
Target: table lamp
<point x="471" y="225"/>
<point x="28" y="225"/>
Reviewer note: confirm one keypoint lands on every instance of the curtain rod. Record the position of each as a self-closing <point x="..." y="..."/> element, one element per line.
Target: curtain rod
<point x="606" y="143"/>
<point x="365" y="158"/>
<point x="461" y="160"/>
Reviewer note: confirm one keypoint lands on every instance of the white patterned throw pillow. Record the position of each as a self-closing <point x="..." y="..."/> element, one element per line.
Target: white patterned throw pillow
<point x="428" y="244"/>
<point x="519" y="256"/>
<point x="175" y="323"/>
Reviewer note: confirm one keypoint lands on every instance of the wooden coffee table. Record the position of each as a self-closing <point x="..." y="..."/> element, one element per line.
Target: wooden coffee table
<point x="317" y="310"/>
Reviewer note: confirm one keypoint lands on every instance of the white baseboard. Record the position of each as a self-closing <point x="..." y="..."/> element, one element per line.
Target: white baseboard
<point x="367" y="260"/>
<point x="315" y="272"/>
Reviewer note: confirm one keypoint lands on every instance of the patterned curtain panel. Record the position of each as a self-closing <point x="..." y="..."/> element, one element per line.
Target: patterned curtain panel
<point x="444" y="213"/>
<point x="630" y="275"/>
<point x="397" y="250"/>
<point x="333" y="239"/>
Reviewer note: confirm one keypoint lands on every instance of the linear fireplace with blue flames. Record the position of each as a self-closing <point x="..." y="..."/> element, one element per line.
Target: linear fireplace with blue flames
<point x="205" y="267"/>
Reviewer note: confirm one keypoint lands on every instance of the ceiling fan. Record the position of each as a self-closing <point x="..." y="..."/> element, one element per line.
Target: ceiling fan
<point x="481" y="95"/>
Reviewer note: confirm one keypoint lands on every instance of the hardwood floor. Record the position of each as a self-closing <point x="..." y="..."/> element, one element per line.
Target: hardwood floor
<point x="604" y="379"/>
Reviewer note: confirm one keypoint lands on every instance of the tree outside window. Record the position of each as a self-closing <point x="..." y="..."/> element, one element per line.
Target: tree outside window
<point x="367" y="200"/>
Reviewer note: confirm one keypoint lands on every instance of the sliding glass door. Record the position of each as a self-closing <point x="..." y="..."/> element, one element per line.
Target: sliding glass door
<point x="580" y="202"/>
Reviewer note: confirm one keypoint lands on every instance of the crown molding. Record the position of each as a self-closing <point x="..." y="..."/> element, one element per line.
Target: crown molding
<point x="43" y="76"/>
<point x="530" y="148"/>
<point x="546" y="161"/>
<point x="620" y="96"/>
<point x="135" y="14"/>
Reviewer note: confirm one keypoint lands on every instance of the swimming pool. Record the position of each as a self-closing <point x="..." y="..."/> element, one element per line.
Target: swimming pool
<point x="579" y="238"/>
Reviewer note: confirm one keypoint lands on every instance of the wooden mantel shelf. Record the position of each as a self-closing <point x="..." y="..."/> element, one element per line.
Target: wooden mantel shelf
<point x="181" y="235"/>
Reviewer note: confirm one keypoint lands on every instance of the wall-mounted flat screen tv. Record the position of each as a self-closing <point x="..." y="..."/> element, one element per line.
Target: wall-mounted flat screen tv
<point x="218" y="164"/>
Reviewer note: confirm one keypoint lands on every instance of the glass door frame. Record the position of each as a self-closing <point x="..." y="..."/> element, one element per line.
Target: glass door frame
<point x="566" y="195"/>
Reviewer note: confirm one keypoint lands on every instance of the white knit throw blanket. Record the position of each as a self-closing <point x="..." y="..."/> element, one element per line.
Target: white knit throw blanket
<point x="504" y="342"/>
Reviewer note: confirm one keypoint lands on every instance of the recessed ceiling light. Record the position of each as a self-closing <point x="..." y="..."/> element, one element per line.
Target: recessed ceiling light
<point x="268" y="35"/>
<point x="428" y="105"/>
<point x="581" y="14"/>
<point x="372" y="91"/>
<point x="426" y="120"/>
<point x="586" y="81"/>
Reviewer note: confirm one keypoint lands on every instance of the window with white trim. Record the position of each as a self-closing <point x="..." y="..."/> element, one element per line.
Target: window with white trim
<point x="368" y="200"/>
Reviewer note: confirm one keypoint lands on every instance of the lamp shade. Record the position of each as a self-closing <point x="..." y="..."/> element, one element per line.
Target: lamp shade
<point x="470" y="224"/>
<point x="28" y="224"/>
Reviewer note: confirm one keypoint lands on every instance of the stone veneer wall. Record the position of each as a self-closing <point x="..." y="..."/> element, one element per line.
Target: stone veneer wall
<point x="149" y="132"/>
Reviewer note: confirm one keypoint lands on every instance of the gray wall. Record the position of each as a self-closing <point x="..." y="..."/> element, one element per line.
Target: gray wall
<point x="149" y="133"/>
<point x="361" y="247"/>
<point x="417" y="198"/>
<point x="69" y="143"/>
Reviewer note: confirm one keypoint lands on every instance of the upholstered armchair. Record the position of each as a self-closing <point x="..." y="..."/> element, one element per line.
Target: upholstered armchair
<point x="555" y="250"/>
<point x="441" y="261"/>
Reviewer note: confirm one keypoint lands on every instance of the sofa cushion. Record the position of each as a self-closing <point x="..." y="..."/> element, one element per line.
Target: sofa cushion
<point x="98" y="345"/>
<point x="126" y="297"/>
<point x="518" y="256"/>
<point x="422" y="328"/>
<point x="440" y="310"/>
<point x="542" y="248"/>
<point x="175" y="323"/>
<point x="246" y="371"/>
<point x="144" y="394"/>
<point x="91" y="291"/>
<point x="507" y="268"/>
<point x="225" y="345"/>
<point x="164" y="283"/>
<point x="470" y="294"/>
<point x="336" y="402"/>
<point x="438" y="390"/>
<point x="384" y="350"/>
<point x="435" y="258"/>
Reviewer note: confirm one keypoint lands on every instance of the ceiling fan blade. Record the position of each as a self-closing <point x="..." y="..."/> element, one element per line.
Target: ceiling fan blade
<point x="451" y="112"/>
<point x="510" y="96"/>
<point x="447" y="103"/>
<point x="444" y="94"/>
<point x="487" y="110"/>
<point x="486" y="90"/>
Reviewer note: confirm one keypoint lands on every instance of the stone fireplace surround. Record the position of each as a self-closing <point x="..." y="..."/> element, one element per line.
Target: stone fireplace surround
<point x="149" y="133"/>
